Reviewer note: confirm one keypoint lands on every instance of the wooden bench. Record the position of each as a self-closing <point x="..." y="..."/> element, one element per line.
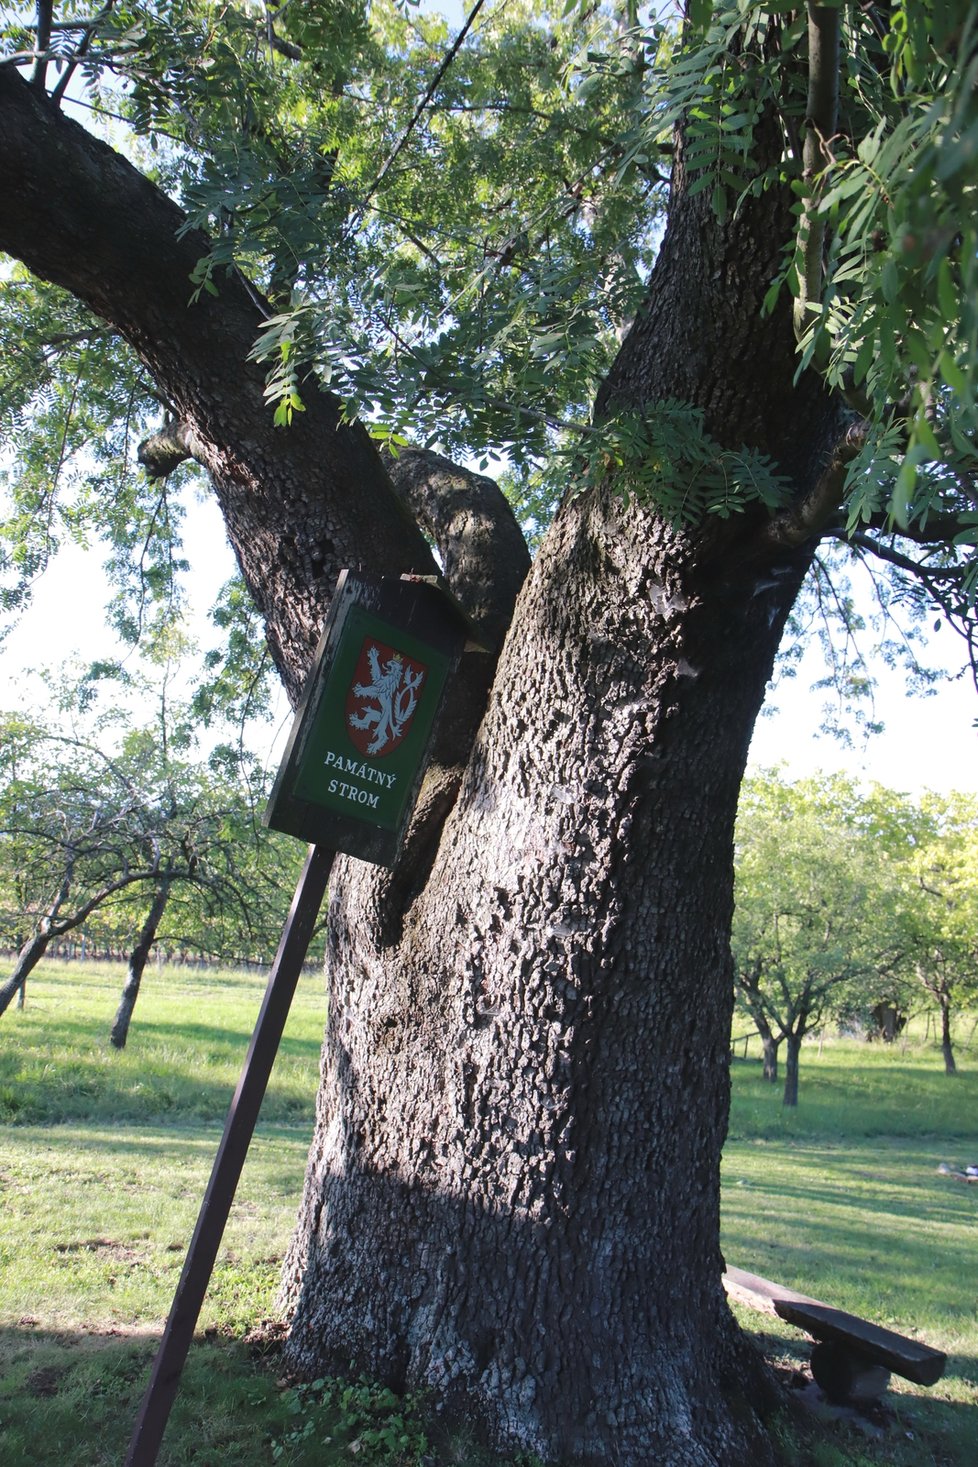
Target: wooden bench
<point x="851" y="1358"/>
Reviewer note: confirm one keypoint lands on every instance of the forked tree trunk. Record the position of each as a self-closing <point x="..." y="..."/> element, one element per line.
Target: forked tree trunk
<point x="136" y="966"/>
<point x="513" y="1190"/>
<point x="513" y="1187"/>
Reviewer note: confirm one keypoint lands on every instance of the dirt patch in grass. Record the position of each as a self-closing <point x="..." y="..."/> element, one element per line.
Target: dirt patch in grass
<point x="44" y="1382"/>
<point x="104" y="1246"/>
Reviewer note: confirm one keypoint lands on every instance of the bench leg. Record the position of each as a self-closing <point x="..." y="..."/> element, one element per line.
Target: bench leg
<point x="845" y="1375"/>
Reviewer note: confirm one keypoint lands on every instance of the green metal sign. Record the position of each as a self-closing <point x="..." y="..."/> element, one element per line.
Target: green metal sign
<point x="358" y="747"/>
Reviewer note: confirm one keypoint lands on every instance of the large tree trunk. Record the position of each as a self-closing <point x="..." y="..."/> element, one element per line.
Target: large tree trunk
<point x="136" y="966"/>
<point x="513" y="1189"/>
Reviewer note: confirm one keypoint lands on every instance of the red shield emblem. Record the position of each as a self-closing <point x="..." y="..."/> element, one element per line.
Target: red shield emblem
<point x="383" y="697"/>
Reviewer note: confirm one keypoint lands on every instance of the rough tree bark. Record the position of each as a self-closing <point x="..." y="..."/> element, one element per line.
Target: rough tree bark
<point x="513" y="1188"/>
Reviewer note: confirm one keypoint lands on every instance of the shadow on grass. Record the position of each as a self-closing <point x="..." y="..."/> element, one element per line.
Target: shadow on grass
<point x="788" y="1197"/>
<point x="891" y="1285"/>
<point x="70" y="1397"/>
<point x="889" y="1100"/>
<point x="210" y="1037"/>
<point x="91" y="1088"/>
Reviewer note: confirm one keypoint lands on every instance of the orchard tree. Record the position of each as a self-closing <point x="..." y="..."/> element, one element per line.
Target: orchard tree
<point x="132" y="832"/>
<point x="711" y="286"/>
<point x="939" y="928"/>
<point x="73" y="837"/>
<point x="222" y="884"/>
<point x="816" y="893"/>
<point x="222" y="892"/>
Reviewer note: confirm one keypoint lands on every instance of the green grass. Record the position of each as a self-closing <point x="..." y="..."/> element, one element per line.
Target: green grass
<point x="188" y="1039"/>
<point x="841" y="1198"/>
<point x="104" y="1157"/>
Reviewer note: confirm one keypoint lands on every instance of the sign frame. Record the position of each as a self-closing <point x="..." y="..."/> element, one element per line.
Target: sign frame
<point x="415" y="619"/>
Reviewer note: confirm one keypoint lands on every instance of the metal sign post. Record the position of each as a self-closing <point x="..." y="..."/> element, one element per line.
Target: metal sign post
<point x="348" y="782"/>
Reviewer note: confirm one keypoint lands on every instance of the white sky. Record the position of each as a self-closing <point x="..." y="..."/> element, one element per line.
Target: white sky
<point x="929" y="742"/>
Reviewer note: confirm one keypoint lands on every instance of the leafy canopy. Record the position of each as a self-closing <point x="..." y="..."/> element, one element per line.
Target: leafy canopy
<point x="453" y="234"/>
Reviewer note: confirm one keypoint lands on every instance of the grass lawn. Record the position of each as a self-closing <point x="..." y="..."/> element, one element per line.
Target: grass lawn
<point x="104" y="1157"/>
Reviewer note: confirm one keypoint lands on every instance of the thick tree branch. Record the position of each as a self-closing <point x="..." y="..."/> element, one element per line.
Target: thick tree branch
<point x="808" y="517"/>
<point x="481" y="547"/>
<point x="163" y="452"/>
<point x="112" y="239"/>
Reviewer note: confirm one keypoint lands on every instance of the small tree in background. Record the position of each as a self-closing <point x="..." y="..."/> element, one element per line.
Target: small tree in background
<point x="810" y="931"/>
<point x="74" y="834"/>
<point x="135" y="831"/>
<point x="939" y="913"/>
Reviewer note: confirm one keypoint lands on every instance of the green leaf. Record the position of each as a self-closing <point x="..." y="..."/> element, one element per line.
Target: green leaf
<point x="771" y="297"/>
<point x="952" y="374"/>
<point x="699" y="13"/>
<point x="947" y="293"/>
<point x="903" y="491"/>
